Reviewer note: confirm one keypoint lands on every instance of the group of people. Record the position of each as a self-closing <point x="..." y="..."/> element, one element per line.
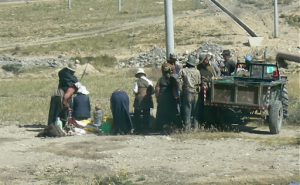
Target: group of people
<point x="179" y="91"/>
<point x="179" y="95"/>
<point x="70" y="99"/>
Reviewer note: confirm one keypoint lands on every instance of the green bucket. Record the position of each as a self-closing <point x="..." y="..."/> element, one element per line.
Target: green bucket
<point x="106" y="127"/>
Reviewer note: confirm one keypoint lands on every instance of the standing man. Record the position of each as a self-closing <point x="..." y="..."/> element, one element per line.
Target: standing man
<point x="229" y="64"/>
<point x="143" y="102"/>
<point x="189" y="80"/>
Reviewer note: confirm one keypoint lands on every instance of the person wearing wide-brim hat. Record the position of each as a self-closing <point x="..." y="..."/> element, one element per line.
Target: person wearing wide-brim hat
<point x="226" y="52"/>
<point x="189" y="82"/>
<point x="229" y="64"/>
<point x="140" y="72"/>
<point x="143" y="102"/>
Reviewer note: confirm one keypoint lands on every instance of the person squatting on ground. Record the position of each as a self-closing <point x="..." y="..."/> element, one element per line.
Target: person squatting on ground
<point x="81" y="109"/>
<point x="60" y="101"/>
<point x="143" y="102"/>
<point x="189" y="80"/>
<point x="98" y="116"/>
<point x="119" y="104"/>
<point x="166" y="92"/>
<point x="229" y="65"/>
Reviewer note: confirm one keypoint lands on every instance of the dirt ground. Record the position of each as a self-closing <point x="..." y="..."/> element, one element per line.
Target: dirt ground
<point x="248" y="157"/>
<point x="152" y="159"/>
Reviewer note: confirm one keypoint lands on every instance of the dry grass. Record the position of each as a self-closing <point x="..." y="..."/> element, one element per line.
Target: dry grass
<point x="205" y="135"/>
<point x="26" y="101"/>
<point x="49" y="19"/>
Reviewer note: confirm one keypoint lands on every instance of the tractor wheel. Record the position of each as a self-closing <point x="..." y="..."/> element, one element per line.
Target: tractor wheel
<point x="275" y="117"/>
<point x="285" y="102"/>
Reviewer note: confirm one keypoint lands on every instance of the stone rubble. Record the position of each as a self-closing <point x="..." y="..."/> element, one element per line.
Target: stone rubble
<point x="153" y="58"/>
<point x="157" y="56"/>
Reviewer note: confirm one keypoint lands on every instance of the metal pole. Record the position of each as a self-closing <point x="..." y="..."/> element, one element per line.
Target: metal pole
<point x="120" y="5"/>
<point x="69" y="2"/>
<point x="169" y="27"/>
<point x="275" y="19"/>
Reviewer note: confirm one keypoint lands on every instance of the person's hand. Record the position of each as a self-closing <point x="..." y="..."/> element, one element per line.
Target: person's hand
<point x="177" y="99"/>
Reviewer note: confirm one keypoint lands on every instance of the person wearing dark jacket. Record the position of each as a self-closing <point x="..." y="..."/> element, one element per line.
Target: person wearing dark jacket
<point x="60" y="101"/>
<point x="81" y="104"/>
<point x="119" y="104"/>
<point x="166" y="92"/>
<point x="229" y="64"/>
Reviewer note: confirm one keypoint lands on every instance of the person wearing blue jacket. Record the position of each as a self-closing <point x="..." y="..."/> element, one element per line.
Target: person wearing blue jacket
<point x="81" y="104"/>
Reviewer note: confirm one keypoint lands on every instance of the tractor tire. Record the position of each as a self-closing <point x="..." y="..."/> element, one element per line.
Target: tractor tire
<point x="285" y="102"/>
<point x="275" y="117"/>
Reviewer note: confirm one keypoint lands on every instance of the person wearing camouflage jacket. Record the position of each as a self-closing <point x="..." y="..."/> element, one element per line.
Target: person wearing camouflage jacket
<point x="189" y="80"/>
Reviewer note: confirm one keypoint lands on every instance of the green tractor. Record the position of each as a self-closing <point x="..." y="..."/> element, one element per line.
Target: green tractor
<point x="255" y="88"/>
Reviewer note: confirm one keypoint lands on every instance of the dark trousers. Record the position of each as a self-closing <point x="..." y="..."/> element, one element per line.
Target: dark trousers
<point x="142" y="119"/>
<point x="57" y="110"/>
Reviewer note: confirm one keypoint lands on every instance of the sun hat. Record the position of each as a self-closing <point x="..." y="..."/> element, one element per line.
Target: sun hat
<point x="140" y="71"/>
<point x="173" y="56"/>
<point x="201" y="57"/>
<point x="226" y="52"/>
<point x="78" y="85"/>
<point x="71" y="67"/>
<point x="82" y="89"/>
<point x="192" y="61"/>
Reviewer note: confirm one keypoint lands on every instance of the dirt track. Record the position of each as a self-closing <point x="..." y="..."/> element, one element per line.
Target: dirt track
<point x="240" y="159"/>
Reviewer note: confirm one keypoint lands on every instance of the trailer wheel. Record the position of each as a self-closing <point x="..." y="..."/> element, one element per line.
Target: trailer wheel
<point x="275" y="117"/>
<point x="285" y="102"/>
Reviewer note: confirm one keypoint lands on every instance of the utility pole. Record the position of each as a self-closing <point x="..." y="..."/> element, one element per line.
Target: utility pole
<point x="70" y="4"/>
<point x="120" y="5"/>
<point x="275" y="19"/>
<point x="169" y="27"/>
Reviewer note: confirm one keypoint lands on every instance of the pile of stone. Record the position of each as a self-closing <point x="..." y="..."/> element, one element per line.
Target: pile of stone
<point x="154" y="58"/>
<point x="215" y="49"/>
<point x="157" y="56"/>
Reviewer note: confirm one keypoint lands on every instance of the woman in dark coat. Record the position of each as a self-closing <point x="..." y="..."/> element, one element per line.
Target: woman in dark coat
<point x="60" y="101"/>
<point x="166" y="94"/>
<point x="119" y="103"/>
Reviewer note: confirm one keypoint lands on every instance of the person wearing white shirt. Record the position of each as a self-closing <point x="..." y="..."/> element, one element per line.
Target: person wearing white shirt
<point x="143" y="102"/>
